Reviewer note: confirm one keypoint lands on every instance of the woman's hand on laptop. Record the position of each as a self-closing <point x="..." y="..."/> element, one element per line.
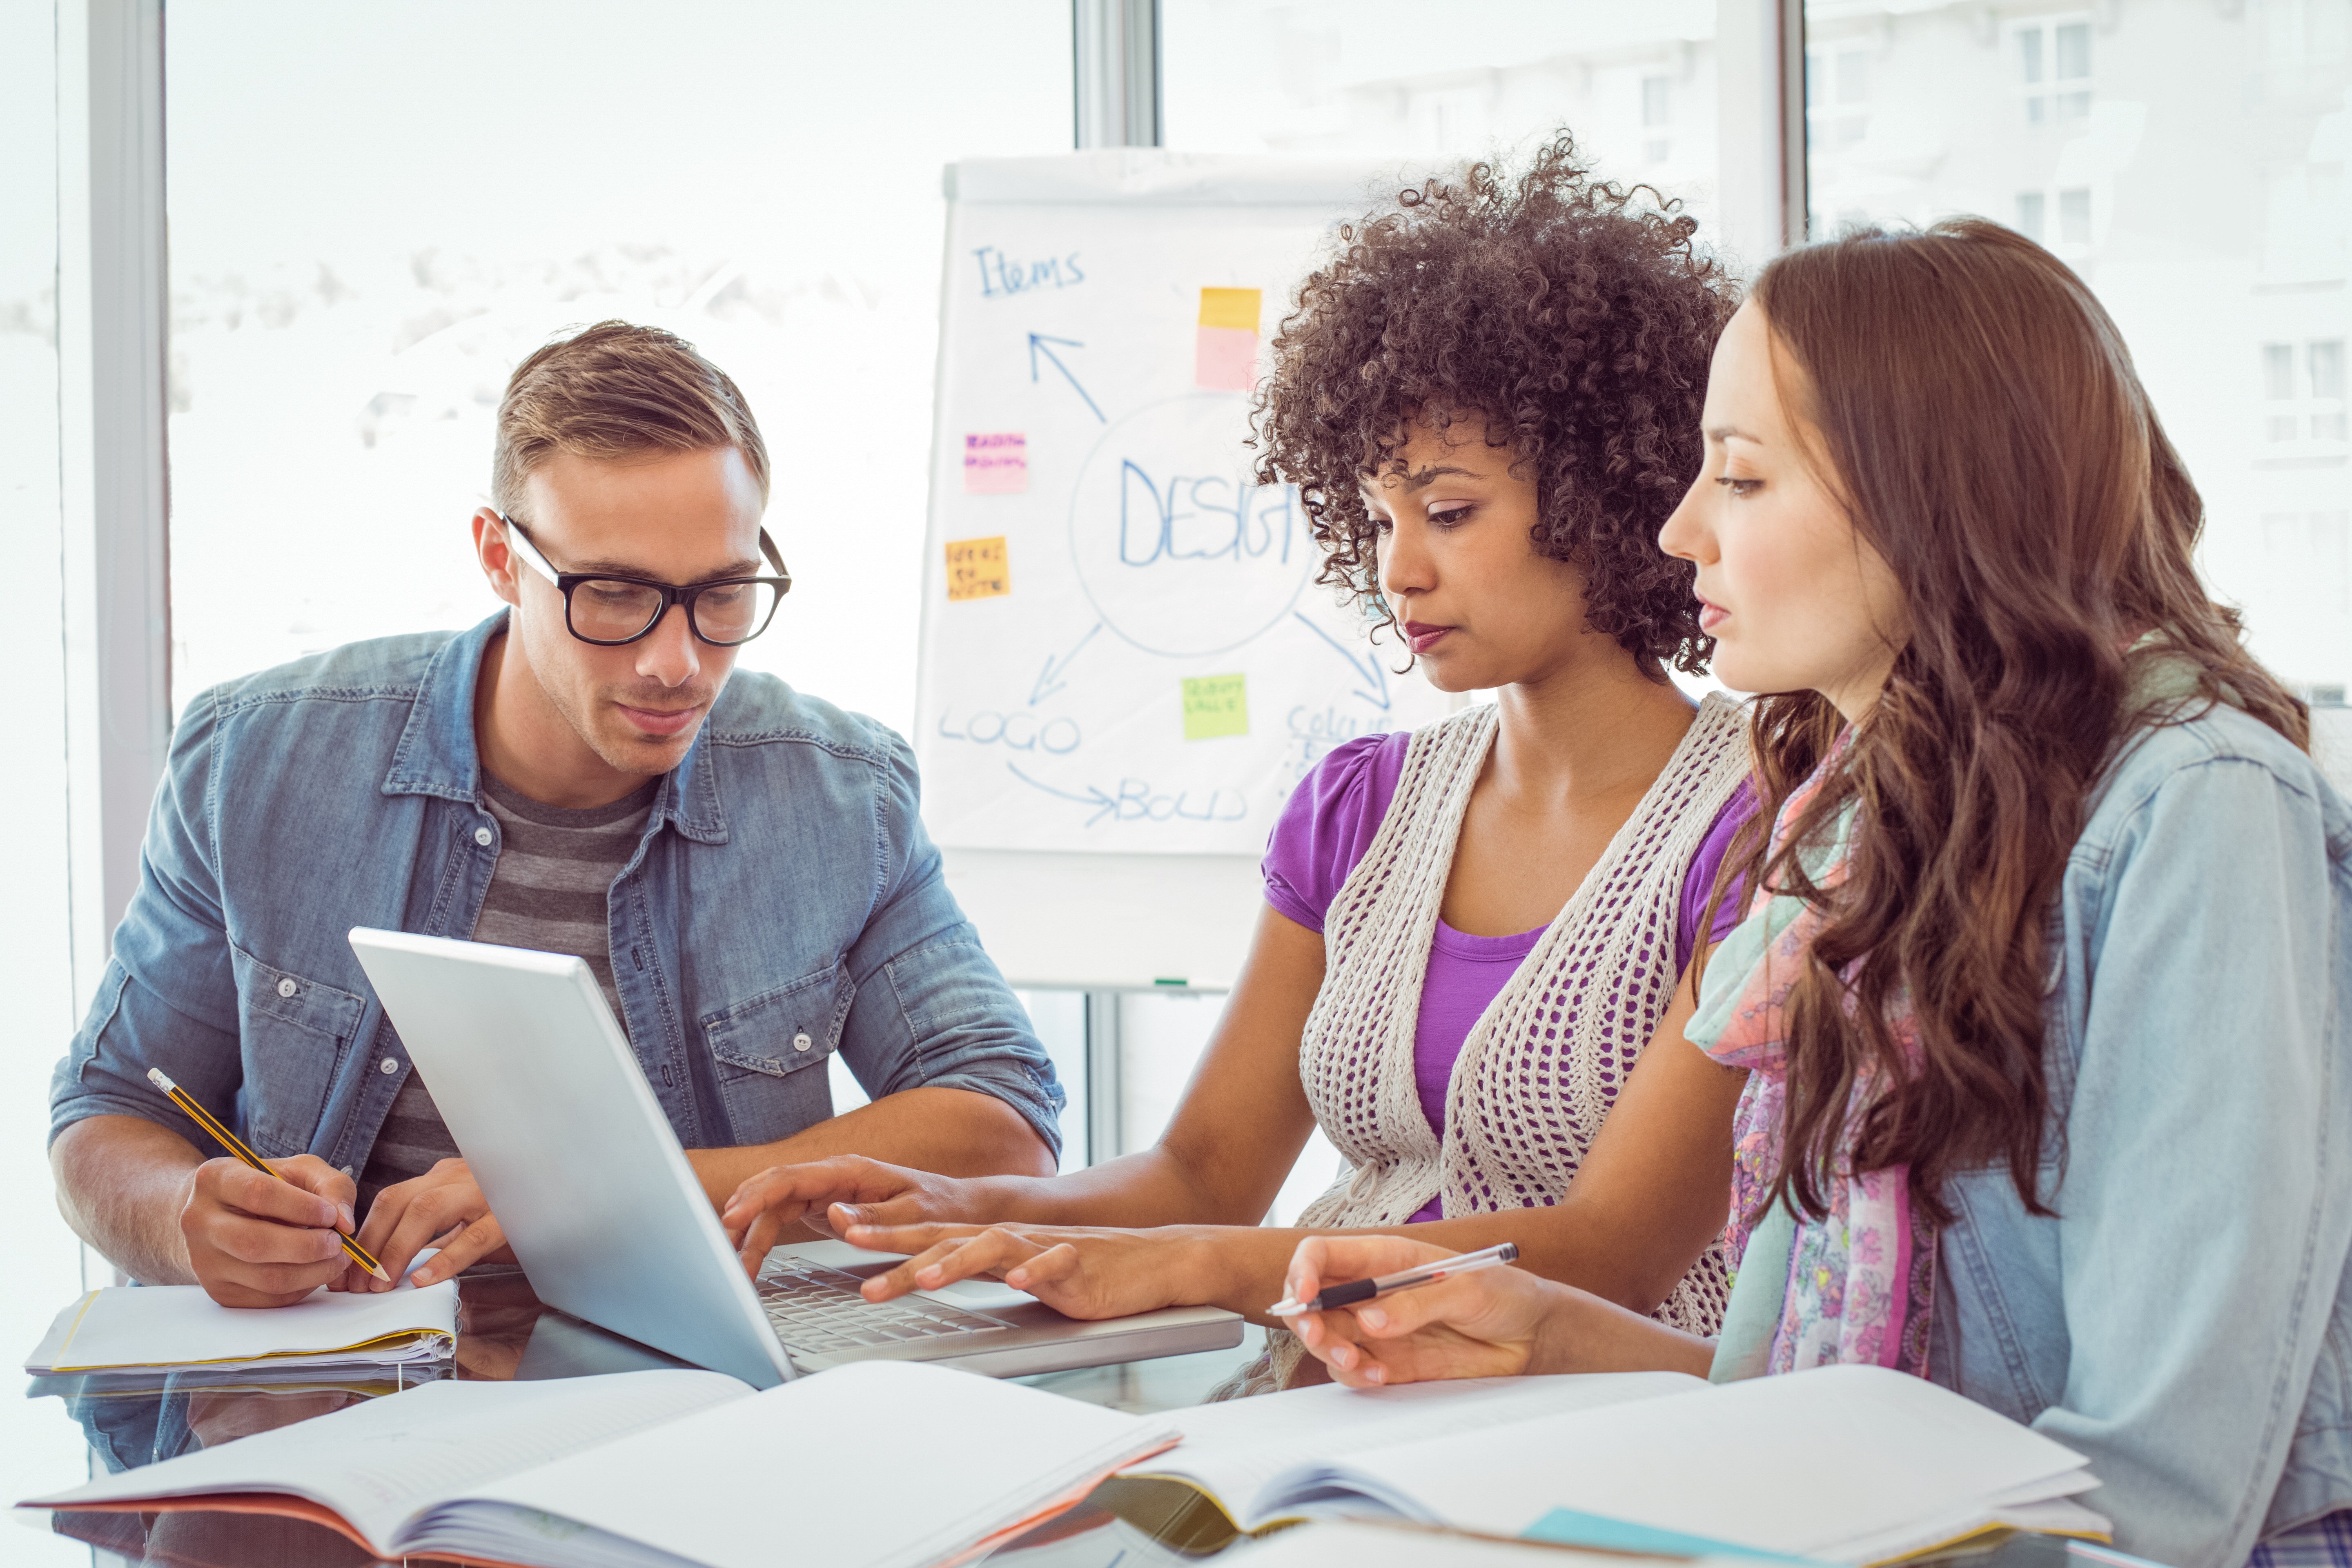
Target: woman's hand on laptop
<point x="827" y="1196"/>
<point x="1079" y="1271"/>
<point x="445" y="1207"/>
<point x="1497" y="1322"/>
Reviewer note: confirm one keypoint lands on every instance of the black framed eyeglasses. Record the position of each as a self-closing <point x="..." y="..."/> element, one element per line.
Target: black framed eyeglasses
<point x="610" y="611"/>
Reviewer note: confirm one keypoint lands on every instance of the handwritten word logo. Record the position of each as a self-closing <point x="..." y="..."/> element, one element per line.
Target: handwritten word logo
<point x="1017" y="732"/>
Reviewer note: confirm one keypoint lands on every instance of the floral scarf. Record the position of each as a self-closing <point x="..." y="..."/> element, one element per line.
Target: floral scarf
<point x="1858" y="1283"/>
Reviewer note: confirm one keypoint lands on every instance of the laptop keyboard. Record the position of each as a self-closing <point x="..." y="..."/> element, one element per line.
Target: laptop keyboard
<point x="816" y="1310"/>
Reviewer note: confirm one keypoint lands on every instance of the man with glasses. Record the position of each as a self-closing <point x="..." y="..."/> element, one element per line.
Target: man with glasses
<point x="742" y="867"/>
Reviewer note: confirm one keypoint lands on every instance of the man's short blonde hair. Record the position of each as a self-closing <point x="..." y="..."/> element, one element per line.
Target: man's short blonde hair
<point x="617" y="389"/>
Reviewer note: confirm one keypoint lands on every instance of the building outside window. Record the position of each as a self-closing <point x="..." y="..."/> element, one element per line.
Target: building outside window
<point x="2054" y="67"/>
<point x="1658" y="116"/>
<point x="1837" y="97"/>
<point x="1370" y="79"/>
<point x="2186" y="160"/>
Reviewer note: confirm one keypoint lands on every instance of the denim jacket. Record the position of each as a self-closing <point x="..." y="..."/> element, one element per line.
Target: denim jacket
<point x="2184" y="1320"/>
<point x="782" y="903"/>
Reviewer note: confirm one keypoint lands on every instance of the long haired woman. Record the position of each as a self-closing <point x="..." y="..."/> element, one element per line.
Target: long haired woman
<point x="2043" y="994"/>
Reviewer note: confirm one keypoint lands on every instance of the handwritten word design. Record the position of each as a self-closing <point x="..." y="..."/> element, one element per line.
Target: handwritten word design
<point x="1208" y="516"/>
<point x="1181" y="551"/>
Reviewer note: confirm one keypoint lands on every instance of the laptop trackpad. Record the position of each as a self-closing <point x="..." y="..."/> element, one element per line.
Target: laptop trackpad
<point x="980" y="1295"/>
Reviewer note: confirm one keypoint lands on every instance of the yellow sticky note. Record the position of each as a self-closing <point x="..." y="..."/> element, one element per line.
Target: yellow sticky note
<point x="1215" y="705"/>
<point x="977" y="569"/>
<point x="1229" y="308"/>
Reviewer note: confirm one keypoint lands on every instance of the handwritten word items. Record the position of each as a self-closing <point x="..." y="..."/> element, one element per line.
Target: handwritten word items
<point x="1215" y="706"/>
<point x="995" y="465"/>
<point x="977" y="569"/>
<point x="1224" y="349"/>
<point x="1002" y="275"/>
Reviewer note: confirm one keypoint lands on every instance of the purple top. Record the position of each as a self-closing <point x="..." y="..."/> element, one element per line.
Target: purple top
<point x="1328" y="824"/>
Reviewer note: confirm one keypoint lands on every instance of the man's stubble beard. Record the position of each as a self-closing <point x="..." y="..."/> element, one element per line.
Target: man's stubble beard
<point x="623" y="748"/>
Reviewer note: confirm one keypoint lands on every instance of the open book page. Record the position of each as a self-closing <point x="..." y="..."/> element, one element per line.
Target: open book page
<point x="379" y="1463"/>
<point x="1883" y="1458"/>
<point x="1234" y="1450"/>
<point x="1340" y="1544"/>
<point x="876" y="1463"/>
<point x="178" y="1325"/>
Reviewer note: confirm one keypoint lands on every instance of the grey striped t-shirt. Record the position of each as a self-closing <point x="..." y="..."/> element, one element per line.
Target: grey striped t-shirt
<point x="548" y="892"/>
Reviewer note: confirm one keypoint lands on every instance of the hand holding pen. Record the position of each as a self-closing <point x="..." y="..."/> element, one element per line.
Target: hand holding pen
<point x="1332" y="1297"/>
<point x="1406" y="1312"/>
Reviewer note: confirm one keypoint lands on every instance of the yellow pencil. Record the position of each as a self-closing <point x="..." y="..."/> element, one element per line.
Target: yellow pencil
<point x="236" y="1145"/>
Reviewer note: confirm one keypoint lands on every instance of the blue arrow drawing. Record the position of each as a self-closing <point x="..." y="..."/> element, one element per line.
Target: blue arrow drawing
<point x="1049" y="679"/>
<point x="1104" y="803"/>
<point x="1367" y="667"/>
<point x="1037" y="342"/>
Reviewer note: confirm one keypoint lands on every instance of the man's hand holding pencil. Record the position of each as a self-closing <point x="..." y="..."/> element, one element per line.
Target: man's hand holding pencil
<point x="265" y="1233"/>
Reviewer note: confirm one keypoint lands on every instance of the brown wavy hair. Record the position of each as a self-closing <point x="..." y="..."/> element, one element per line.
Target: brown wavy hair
<point x="1570" y="317"/>
<point x="1977" y="413"/>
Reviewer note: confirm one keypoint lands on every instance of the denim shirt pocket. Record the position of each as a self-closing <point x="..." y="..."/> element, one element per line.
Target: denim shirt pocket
<point x="295" y="1033"/>
<point x="763" y="1047"/>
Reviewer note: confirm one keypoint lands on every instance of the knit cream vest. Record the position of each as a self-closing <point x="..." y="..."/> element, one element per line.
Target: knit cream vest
<point x="1541" y="1066"/>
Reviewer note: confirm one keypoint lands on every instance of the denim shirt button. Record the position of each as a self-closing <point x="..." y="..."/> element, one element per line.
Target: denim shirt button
<point x="286" y="988"/>
<point x="346" y="1170"/>
<point x="482" y="837"/>
<point x="387" y="1064"/>
<point x="801" y="1042"/>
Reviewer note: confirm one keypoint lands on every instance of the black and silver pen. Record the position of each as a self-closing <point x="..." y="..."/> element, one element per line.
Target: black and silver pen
<point x="1389" y="1284"/>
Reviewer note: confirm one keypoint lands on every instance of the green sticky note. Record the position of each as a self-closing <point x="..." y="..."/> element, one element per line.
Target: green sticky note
<point x="1215" y="705"/>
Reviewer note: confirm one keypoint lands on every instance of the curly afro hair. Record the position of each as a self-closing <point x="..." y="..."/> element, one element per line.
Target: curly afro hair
<point x="1572" y="322"/>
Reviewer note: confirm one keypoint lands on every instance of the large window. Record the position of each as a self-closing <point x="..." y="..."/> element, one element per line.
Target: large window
<point x="39" y="1258"/>
<point x="1379" y="79"/>
<point x="2187" y="161"/>
<point x="376" y="211"/>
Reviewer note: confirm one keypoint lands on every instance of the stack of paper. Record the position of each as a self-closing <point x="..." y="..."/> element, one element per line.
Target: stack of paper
<point x="124" y="1327"/>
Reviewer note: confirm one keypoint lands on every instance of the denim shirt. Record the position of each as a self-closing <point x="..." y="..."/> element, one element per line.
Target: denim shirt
<point x="2184" y="1320"/>
<point x="783" y="903"/>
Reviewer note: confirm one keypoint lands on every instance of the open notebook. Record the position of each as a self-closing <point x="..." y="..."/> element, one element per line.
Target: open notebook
<point x="1845" y="1464"/>
<point x="872" y="1465"/>
<point x="178" y="1325"/>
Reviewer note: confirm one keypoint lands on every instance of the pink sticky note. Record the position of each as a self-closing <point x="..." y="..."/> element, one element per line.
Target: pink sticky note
<point x="1225" y="358"/>
<point x="996" y="465"/>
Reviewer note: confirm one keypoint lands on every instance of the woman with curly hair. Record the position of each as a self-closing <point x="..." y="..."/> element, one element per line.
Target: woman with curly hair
<point x="2045" y="989"/>
<point x="1488" y="400"/>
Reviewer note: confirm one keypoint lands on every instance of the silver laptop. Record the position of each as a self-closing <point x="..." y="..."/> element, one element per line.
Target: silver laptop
<point x="545" y="1099"/>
